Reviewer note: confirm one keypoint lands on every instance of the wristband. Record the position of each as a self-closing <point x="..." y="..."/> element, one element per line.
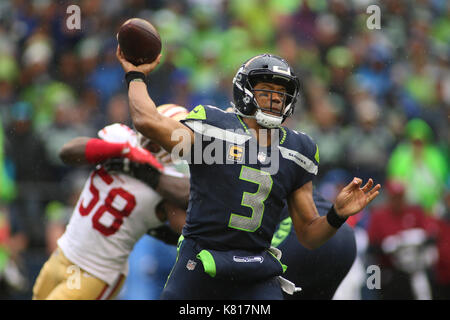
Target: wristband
<point x="98" y="150"/>
<point x="134" y="75"/>
<point x="334" y="220"/>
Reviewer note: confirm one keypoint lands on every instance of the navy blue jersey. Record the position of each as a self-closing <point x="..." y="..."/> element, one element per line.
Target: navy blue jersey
<point x="238" y="189"/>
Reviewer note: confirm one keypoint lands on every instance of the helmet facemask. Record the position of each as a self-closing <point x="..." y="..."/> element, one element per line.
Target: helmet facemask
<point x="273" y="96"/>
<point x="273" y="104"/>
<point x="270" y="105"/>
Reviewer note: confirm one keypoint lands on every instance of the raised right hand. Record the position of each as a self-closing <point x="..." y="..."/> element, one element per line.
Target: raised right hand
<point x="128" y="66"/>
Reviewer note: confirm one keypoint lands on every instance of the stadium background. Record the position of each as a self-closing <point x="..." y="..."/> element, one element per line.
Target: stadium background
<point x="360" y="90"/>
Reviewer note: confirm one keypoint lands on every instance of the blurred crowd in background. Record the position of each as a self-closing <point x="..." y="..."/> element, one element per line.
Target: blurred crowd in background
<point x="376" y="101"/>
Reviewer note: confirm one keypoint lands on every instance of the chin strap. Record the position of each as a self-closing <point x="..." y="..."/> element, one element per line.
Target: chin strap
<point x="267" y="120"/>
<point x="263" y="119"/>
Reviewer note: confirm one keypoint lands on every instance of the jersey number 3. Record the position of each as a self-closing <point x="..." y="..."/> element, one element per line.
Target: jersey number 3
<point x="107" y="206"/>
<point x="254" y="201"/>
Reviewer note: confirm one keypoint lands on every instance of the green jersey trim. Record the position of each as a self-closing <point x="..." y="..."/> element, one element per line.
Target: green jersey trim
<point x="283" y="266"/>
<point x="316" y="156"/>
<point x="284" y="135"/>
<point x="180" y="242"/>
<point x="208" y="262"/>
<point x="243" y="124"/>
<point x="283" y="231"/>
<point x="198" y="113"/>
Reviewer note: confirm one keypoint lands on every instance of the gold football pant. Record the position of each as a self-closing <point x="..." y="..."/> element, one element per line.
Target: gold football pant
<point x="60" y="279"/>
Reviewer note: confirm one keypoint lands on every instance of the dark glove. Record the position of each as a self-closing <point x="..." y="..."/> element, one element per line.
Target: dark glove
<point x="142" y="171"/>
<point x="165" y="234"/>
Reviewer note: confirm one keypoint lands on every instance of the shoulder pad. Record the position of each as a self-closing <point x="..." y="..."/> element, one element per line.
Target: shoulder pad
<point x="213" y="118"/>
<point x="300" y="148"/>
<point x="198" y="113"/>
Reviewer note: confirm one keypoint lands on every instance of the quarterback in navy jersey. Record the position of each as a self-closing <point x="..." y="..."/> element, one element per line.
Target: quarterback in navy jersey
<point x="244" y="202"/>
<point x="235" y="204"/>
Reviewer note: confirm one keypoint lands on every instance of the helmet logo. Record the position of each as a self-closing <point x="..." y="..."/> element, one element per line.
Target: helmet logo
<point x="282" y="70"/>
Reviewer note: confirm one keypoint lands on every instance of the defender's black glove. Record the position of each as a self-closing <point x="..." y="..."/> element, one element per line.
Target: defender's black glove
<point x="144" y="172"/>
<point x="165" y="234"/>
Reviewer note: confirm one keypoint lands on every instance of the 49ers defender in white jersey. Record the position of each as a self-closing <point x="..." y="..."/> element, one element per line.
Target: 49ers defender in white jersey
<point x="113" y="212"/>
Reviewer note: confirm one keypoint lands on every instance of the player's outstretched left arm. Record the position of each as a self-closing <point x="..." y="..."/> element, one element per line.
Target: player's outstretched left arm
<point x="85" y="150"/>
<point x="141" y="164"/>
<point x="74" y="152"/>
<point x="146" y="119"/>
<point x="313" y="230"/>
<point x="172" y="188"/>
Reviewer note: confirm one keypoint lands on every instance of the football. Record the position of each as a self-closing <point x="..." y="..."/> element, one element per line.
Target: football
<point x="139" y="41"/>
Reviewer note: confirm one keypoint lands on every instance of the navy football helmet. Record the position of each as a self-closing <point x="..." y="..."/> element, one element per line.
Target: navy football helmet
<point x="265" y="68"/>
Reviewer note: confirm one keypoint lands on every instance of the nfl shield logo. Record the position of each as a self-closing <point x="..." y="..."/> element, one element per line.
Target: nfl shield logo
<point x="191" y="265"/>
